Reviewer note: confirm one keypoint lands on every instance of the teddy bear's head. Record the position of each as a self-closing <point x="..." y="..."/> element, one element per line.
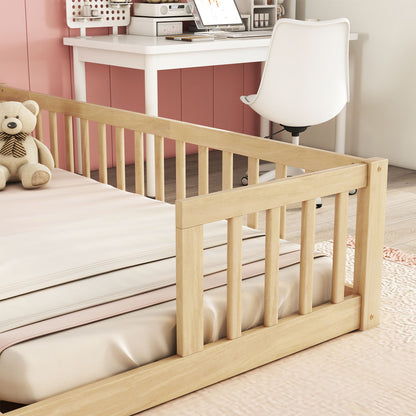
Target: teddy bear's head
<point x="18" y="117"/>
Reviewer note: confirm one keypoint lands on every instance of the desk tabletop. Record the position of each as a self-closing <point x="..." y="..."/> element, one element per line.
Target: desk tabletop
<point x="149" y="45"/>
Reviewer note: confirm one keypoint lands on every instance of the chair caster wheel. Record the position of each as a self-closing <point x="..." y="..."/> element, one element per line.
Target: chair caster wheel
<point x="353" y="192"/>
<point x="244" y="180"/>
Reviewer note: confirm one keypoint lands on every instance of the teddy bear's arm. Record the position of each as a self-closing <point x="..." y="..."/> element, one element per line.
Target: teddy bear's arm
<point x="45" y="156"/>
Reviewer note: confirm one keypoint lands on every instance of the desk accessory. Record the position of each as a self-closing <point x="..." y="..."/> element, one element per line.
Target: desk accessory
<point x="264" y="13"/>
<point x="82" y="14"/>
<point x="162" y="9"/>
<point x="191" y="38"/>
<point x="157" y="26"/>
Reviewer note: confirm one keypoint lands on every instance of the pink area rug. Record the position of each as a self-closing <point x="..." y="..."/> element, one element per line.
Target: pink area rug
<point x="362" y="373"/>
<point x="391" y="254"/>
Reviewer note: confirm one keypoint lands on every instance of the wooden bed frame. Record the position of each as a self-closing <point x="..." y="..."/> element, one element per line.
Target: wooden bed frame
<point x="197" y="365"/>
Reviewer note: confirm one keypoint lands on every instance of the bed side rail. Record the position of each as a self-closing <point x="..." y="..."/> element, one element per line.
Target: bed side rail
<point x="370" y="180"/>
<point x="333" y="174"/>
<point x="95" y="119"/>
<point x="72" y="126"/>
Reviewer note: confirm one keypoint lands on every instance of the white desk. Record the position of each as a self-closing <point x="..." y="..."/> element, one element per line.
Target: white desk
<point x="152" y="54"/>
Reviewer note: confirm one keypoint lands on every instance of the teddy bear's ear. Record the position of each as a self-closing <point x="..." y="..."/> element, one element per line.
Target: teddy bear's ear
<point x="32" y="106"/>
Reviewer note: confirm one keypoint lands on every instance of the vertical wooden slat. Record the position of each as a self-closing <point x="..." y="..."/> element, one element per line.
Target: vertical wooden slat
<point x="85" y="148"/>
<point x="189" y="290"/>
<point x="102" y="152"/>
<point x="234" y="272"/>
<point x="306" y="256"/>
<point x="340" y="247"/>
<point x="253" y="178"/>
<point x="253" y="170"/>
<point x="159" y="169"/>
<point x="180" y="169"/>
<point x="120" y="159"/>
<point x="138" y="162"/>
<point x="281" y="172"/>
<point x="227" y="170"/>
<point x="39" y="127"/>
<point x="271" y="283"/>
<point x="69" y="143"/>
<point x="53" y="134"/>
<point x="203" y="170"/>
<point x="371" y="202"/>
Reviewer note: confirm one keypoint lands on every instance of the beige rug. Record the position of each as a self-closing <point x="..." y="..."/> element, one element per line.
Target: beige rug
<point x="362" y="373"/>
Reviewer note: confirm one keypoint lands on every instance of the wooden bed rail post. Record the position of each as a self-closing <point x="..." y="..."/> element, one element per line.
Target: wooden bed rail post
<point x="53" y="134"/>
<point x="85" y="148"/>
<point x="253" y="178"/>
<point x="189" y="290"/>
<point x="306" y="256"/>
<point x="234" y="270"/>
<point x="39" y="127"/>
<point x="369" y="241"/>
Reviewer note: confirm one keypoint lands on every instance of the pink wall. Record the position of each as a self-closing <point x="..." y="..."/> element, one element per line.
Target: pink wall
<point x="34" y="58"/>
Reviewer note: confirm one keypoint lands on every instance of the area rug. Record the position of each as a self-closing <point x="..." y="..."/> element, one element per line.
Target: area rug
<point x="362" y="373"/>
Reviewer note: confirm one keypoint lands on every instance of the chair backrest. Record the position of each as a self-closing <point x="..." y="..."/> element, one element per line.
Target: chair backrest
<point x="305" y="79"/>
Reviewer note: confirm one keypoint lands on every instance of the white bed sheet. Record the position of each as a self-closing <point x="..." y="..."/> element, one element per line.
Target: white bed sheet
<point x="36" y="369"/>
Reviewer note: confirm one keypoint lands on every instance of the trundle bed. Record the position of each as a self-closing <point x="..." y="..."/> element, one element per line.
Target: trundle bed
<point x="112" y="302"/>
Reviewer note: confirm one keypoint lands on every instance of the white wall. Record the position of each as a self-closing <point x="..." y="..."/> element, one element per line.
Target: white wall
<point x="382" y="112"/>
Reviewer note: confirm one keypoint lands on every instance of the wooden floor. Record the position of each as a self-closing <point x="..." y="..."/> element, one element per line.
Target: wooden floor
<point x="400" y="207"/>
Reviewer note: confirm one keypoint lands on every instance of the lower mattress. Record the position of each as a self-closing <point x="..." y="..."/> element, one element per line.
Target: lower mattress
<point x="45" y="366"/>
<point x="41" y="367"/>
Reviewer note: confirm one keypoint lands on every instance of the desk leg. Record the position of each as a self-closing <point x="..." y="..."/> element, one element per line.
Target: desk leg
<point x="151" y="108"/>
<point x="80" y="95"/>
<point x="264" y="123"/>
<point x="340" y="130"/>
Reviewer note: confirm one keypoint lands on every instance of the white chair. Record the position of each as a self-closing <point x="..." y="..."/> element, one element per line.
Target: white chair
<point x="305" y="79"/>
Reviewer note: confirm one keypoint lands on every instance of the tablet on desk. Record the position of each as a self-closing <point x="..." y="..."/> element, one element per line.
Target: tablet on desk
<point x="191" y="38"/>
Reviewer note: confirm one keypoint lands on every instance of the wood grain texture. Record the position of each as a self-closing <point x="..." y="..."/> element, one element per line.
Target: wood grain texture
<point x="180" y="170"/>
<point x="371" y="202"/>
<point x="189" y="291"/>
<point x="120" y="159"/>
<point x="271" y="278"/>
<point x="102" y="152"/>
<point x="281" y="172"/>
<point x="138" y="163"/>
<point x="241" y="201"/>
<point x="227" y="170"/>
<point x="264" y="149"/>
<point x="234" y="276"/>
<point x="253" y="178"/>
<point x="85" y="148"/>
<point x="340" y="247"/>
<point x="175" y="376"/>
<point x="159" y="168"/>
<point x="53" y="135"/>
<point x="69" y="144"/>
<point x="203" y="170"/>
<point x="39" y="127"/>
<point x="307" y="246"/>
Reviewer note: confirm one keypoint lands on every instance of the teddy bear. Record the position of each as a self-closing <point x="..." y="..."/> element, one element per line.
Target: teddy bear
<point x="22" y="157"/>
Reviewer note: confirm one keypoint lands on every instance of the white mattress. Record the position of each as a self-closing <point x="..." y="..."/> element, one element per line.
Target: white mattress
<point x="104" y="217"/>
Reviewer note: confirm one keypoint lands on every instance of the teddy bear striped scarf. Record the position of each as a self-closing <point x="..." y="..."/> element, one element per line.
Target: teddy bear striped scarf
<point x="13" y="145"/>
